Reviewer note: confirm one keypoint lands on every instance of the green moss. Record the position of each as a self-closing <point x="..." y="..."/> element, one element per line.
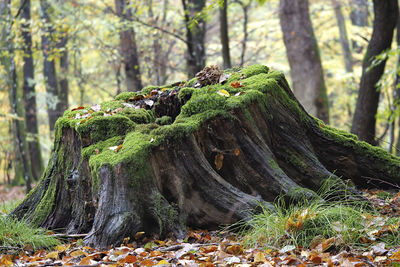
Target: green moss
<point x="165" y="214"/>
<point x="102" y="128"/>
<point x="125" y="96"/>
<point x="100" y="146"/>
<point x="185" y="93"/>
<point x="111" y="105"/>
<point x="139" y="115"/>
<point x="46" y="204"/>
<point x="164" y="120"/>
<point x="146" y="90"/>
<point x="248" y="72"/>
<point x="273" y="164"/>
<point x="204" y="102"/>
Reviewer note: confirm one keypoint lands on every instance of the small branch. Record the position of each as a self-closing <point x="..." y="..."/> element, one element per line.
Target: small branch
<point x="160" y="29"/>
<point x="2" y="248"/>
<point x="381" y="181"/>
<point x="69" y="236"/>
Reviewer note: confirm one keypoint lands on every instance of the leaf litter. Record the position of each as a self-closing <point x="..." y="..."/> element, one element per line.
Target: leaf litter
<point x="207" y="249"/>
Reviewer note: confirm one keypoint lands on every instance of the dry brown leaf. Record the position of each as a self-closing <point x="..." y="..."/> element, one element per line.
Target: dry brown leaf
<point x="259" y="257"/>
<point x="219" y="160"/>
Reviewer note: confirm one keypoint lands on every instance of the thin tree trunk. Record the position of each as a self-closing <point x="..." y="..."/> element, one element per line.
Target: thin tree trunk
<point x="195" y="35"/>
<point x="386" y="13"/>
<point x="128" y="46"/>
<point x="63" y="84"/>
<point x="19" y="126"/>
<point x="49" y="67"/>
<point x="245" y="33"/>
<point x="303" y="55"/>
<point x="359" y="13"/>
<point x="223" y="25"/>
<point x="344" y="40"/>
<point x="29" y="94"/>
<point x="396" y="91"/>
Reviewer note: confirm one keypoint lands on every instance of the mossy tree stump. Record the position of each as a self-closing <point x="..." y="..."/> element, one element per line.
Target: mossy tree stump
<point x="185" y="156"/>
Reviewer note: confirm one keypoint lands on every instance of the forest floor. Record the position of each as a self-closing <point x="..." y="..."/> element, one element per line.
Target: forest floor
<point x="204" y="248"/>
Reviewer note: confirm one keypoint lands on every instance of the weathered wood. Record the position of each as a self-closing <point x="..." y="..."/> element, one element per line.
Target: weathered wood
<point x="191" y="157"/>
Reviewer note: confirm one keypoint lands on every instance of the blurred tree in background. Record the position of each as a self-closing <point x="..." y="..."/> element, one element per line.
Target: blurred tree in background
<point x="61" y="54"/>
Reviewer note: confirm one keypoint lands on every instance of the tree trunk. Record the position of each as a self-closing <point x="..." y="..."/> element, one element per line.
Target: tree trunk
<point x="195" y="35"/>
<point x="64" y="66"/>
<point x="223" y="25"/>
<point x="359" y="13"/>
<point x="303" y="55"/>
<point x="21" y="145"/>
<point x="344" y="40"/>
<point x="396" y="91"/>
<point x="128" y="46"/>
<point x="29" y="94"/>
<point x="49" y="67"/>
<point x="208" y="161"/>
<point x="386" y="13"/>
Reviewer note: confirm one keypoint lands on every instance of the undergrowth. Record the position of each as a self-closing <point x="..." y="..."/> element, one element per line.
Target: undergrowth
<point x="15" y="233"/>
<point x="334" y="216"/>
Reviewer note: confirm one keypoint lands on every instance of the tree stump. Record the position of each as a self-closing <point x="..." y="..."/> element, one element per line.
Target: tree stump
<point x="189" y="155"/>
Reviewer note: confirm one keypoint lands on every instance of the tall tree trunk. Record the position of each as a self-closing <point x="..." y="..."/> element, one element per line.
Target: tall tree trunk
<point x="344" y="40"/>
<point x="303" y="55"/>
<point x="21" y="145"/>
<point x="359" y="13"/>
<point x="396" y="94"/>
<point x="195" y="35"/>
<point x="29" y="94"/>
<point x="386" y="13"/>
<point x="223" y="25"/>
<point x="62" y="104"/>
<point x="49" y="67"/>
<point x="128" y="46"/>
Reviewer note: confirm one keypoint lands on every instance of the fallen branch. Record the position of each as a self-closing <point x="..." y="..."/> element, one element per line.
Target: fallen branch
<point x="71" y="236"/>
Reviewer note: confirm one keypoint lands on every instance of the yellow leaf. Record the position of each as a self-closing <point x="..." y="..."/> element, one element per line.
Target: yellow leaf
<point x="62" y="248"/>
<point x="161" y="262"/>
<point x="259" y="257"/>
<point x="6" y="260"/>
<point x="52" y="255"/>
<point x="223" y="93"/>
<point x="78" y="253"/>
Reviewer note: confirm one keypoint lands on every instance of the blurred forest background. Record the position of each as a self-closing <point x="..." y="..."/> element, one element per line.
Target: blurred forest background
<point x="58" y="54"/>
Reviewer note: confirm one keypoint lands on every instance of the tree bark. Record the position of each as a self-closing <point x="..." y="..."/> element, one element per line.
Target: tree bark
<point x="344" y="40"/>
<point x="223" y="25"/>
<point x="129" y="54"/>
<point x="386" y="14"/>
<point x="195" y="35"/>
<point x="49" y="67"/>
<point x="21" y="145"/>
<point x="303" y="55"/>
<point x="359" y="13"/>
<point x="29" y="94"/>
<point x="214" y="160"/>
<point x="396" y="91"/>
<point x="64" y="66"/>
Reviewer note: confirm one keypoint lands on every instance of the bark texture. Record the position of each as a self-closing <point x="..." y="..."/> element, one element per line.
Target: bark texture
<point x="223" y="25"/>
<point x="303" y="55"/>
<point x="49" y="66"/>
<point x="359" y="13"/>
<point x="195" y="35"/>
<point x="386" y="14"/>
<point x="344" y="40"/>
<point x="194" y="158"/>
<point x="29" y="94"/>
<point x="129" y="53"/>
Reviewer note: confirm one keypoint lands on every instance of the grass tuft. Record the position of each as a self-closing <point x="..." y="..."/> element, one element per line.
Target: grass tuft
<point x="15" y="233"/>
<point x="333" y="218"/>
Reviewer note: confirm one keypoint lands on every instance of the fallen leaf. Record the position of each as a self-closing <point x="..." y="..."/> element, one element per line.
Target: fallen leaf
<point x="234" y="249"/>
<point x="239" y="93"/>
<point x="223" y="93"/>
<point x="236" y="84"/>
<point x="237" y="152"/>
<point x="259" y="257"/>
<point x="149" y="102"/>
<point x="118" y="148"/>
<point x="52" y="255"/>
<point x="77" y="253"/>
<point x="96" y="107"/>
<point x="162" y="262"/>
<point x="78" y="108"/>
<point x="219" y="160"/>
<point x="147" y="263"/>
